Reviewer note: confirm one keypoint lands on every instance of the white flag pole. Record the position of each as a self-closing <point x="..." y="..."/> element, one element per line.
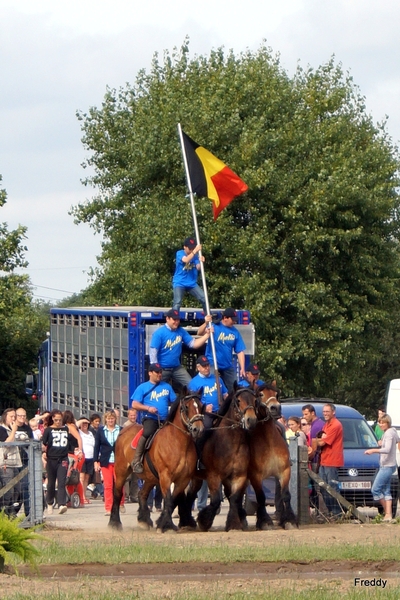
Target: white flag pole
<point x="203" y="276"/>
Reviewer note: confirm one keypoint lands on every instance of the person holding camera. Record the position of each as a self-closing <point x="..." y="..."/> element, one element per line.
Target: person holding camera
<point x="10" y="462"/>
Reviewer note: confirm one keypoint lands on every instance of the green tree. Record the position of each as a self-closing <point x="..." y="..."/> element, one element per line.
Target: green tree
<point x="22" y="327"/>
<point x="311" y="249"/>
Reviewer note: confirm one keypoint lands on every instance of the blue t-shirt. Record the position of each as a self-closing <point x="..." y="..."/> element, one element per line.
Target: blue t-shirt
<point x="185" y="273"/>
<point x="227" y="340"/>
<point x="245" y="383"/>
<point x="209" y="385"/>
<point x="168" y="345"/>
<point x="160" y="396"/>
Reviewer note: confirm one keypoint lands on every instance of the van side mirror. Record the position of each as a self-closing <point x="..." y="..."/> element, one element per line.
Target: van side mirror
<point x="30" y="384"/>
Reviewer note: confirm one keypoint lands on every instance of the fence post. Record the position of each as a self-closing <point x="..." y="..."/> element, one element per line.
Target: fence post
<point x="298" y="485"/>
<point x="35" y="482"/>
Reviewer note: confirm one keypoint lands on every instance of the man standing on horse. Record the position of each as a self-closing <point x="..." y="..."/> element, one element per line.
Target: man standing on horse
<point x="187" y="265"/>
<point x="227" y="340"/>
<point x="166" y="348"/>
<point x="152" y="399"/>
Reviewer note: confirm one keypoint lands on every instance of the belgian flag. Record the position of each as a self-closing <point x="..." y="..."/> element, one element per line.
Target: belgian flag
<point x="210" y="177"/>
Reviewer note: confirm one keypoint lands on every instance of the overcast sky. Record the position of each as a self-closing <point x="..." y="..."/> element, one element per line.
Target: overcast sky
<point x="57" y="57"/>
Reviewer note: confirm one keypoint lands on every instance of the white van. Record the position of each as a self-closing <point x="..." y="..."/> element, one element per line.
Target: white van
<point x="393" y="407"/>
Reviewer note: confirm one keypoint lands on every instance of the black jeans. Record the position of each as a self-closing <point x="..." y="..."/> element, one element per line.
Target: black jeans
<point x="56" y="471"/>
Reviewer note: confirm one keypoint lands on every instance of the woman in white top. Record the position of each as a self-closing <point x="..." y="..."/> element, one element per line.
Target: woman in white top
<point x="88" y="440"/>
<point x="294" y="425"/>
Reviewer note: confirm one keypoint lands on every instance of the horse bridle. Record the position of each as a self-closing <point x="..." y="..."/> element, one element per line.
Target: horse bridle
<point x="184" y="413"/>
<point x="264" y="403"/>
<point x="242" y="413"/>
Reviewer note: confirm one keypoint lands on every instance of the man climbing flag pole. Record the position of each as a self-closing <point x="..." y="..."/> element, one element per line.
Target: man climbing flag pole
<point x="208" y="176"/>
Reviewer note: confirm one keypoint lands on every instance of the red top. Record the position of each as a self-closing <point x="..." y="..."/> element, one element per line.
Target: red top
<point x="332" y="451"/>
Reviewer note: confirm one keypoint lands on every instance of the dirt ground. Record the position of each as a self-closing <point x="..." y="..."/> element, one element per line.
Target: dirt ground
<point x="212" y="579"/>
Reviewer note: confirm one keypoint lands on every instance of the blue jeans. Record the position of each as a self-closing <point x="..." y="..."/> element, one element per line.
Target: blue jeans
<point x="381" y="486"/>
<point x="177" y="374"/>
<point x="228" y="376"/>
<point x="330" y="476"/>
<point x="196" y="291"/>
<point x="202" y="496"/>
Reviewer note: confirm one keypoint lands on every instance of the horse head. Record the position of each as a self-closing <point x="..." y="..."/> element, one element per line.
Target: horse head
<point x="268" y="403"/>
<point x="244" y="406"/>
<point x="190" y="411"/>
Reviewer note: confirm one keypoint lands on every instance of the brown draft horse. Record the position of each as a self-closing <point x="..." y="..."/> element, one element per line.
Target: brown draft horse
<point x="269" y="457"/>
<point x="170" y="462"/>
<point x="226" y="458"/>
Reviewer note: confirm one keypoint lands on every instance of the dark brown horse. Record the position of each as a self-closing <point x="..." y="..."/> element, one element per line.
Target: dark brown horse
<point x="170" y="462"/>
<point x="269" y="457"/>
<point x="226" y="458"/>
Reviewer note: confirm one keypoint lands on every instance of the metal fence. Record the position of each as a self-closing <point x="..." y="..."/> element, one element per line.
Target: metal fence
<point x="21" y="488"/>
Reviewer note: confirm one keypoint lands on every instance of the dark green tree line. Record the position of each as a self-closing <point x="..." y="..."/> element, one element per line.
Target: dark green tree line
<point x="22" y="326"/>
<point x="311" y="249"/>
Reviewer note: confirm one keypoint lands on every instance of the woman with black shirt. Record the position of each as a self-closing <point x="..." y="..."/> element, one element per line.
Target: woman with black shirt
<point x="55" y="440"/>
<point x="75" y="453"/>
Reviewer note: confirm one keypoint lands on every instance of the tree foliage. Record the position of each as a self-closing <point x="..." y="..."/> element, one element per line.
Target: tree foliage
<point x="311" y="249"/>
<point x="22" y="327"/>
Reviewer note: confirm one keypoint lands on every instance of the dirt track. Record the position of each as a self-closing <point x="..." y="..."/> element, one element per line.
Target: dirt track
<point x="164" y="580"/>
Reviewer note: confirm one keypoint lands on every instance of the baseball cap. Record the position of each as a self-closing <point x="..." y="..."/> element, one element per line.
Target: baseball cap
<point x="254" y="370"/>
<point x="230" y="312"/>
<point x="202" y="361"/>
<point x="155" y="367"/>
<point x="190" y="243"/>
<point x="174" y="314"/>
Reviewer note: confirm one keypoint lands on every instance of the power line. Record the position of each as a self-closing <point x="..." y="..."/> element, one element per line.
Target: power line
<point x="53" y="289"/>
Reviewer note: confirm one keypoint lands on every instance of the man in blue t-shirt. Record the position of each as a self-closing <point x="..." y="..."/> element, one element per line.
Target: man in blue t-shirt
<point x="207" y="380"/>
<point x="227" y="340"/>
<point x="251" y="378"/>
<point x="187" y="265"/>
<point x="166" y="348"/>
<point x="152" y="399"/>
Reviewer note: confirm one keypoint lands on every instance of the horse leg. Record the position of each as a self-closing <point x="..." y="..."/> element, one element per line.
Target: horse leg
<point x="287" y="517"/>
<point x="236" y="518"/>
<point x="144" y="519"/>
<point x="263" y="520"/>
<point x="206" y="516"/>
<point x="164" y="522"/>
<point x="185" y="504"/>
<point x="121" y="474"/>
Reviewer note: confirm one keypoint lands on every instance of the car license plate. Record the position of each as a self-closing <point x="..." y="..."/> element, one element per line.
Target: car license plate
<point x="355" y="485"/>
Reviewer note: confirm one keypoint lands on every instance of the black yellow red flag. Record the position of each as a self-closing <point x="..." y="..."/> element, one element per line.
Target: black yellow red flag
<point x="210" y="177"/>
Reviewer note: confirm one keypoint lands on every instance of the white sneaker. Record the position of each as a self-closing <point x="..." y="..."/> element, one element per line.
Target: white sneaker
<point x="62" y="509"/>
<point x="49" y="509"/>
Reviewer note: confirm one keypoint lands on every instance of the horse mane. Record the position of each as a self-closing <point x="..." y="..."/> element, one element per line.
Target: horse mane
<point x="227" y="403"/>
<point x="173" y="410"/>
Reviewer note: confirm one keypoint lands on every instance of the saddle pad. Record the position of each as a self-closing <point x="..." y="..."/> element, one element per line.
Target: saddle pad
<point x="136" y="439"/>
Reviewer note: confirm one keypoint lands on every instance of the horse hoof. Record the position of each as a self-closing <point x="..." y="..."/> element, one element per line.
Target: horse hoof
<point x="159" y="530"/>
<point x="143" y="525"/>
<point x="187" y="528"/>
<point x="114" y="525"/>
<point x="288" y="526"/>
<point x="265" y="527"/>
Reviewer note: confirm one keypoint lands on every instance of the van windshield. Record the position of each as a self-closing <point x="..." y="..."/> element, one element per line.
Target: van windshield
<point x="357" y="434"/>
